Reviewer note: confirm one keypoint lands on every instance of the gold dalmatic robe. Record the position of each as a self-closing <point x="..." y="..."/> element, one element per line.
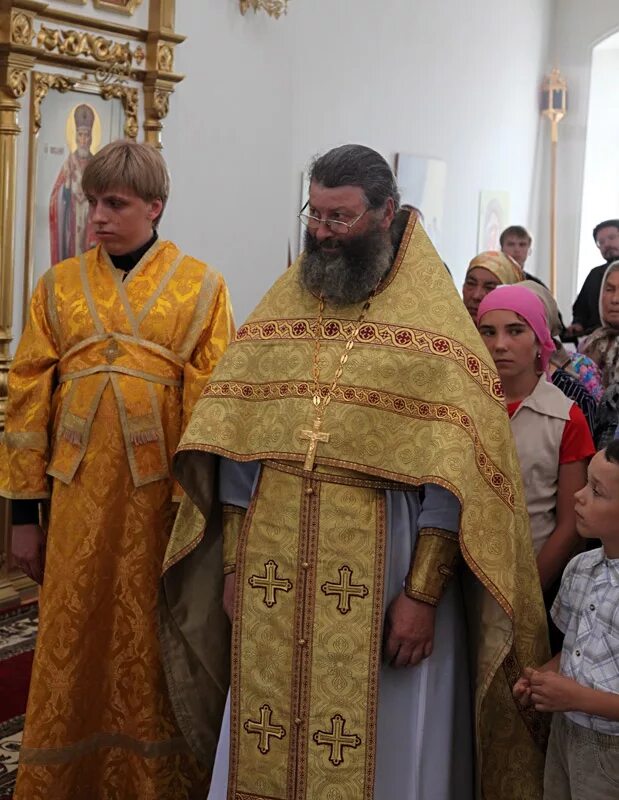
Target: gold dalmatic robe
<point x="418" y="402"/>
<point x="102" y="384"/>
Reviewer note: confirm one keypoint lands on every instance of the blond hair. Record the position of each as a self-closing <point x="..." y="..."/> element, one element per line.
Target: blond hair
<point x="124" y="164"/>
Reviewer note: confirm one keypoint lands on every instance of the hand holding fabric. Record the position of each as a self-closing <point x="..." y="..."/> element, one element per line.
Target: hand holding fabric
<point x="551" y="691"/>
<point x="522" y="691"/>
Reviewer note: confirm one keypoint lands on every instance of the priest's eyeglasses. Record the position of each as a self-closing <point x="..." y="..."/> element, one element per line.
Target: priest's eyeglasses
<point x="335" y="225"/>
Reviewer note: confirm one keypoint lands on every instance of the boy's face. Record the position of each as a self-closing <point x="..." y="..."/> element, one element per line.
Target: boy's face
<point x="597" y="504"/>
<point x="517" y="247"/>
<point x="122" y="220"/>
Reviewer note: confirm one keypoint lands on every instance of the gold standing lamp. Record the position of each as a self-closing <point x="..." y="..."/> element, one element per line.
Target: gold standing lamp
<point x="554" y="107"/>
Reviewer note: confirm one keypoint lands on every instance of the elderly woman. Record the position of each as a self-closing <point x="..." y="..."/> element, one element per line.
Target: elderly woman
<point x="565" y="370"/>
<point x="603" y="344"/>
<point x="603" y="347"/>
<point x="485" y="272"/>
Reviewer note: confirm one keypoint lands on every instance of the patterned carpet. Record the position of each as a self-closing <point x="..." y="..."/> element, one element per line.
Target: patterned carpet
<point x="18" y="629"/>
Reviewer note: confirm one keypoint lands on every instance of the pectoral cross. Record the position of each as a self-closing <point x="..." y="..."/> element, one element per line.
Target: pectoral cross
<point x="314" y="436"/>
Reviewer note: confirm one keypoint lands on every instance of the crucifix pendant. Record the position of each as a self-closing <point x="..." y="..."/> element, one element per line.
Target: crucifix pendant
<point x="314" y="436"/>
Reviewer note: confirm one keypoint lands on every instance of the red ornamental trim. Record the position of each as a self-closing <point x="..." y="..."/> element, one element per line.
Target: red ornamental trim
<point x="385" y="401"/>
<point x="378" y="334"/>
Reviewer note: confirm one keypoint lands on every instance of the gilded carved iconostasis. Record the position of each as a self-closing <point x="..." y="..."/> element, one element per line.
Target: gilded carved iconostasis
<point x="74" y="75"/>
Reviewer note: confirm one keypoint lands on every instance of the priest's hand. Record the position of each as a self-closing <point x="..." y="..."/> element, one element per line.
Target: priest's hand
<point x="28" y="549"/>
<point x="228" y="596"/>
<point x="409" y="631"/>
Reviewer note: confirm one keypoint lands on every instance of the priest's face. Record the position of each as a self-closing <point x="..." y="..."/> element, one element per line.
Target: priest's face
<point x="347" y="244"/>
<point x="122" y="220"/>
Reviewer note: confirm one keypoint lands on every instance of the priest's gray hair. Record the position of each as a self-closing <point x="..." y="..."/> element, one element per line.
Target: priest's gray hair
<point x="357" y="165"/>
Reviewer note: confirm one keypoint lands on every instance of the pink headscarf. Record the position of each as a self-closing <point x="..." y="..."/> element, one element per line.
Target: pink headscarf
<point x="522" y="301"/>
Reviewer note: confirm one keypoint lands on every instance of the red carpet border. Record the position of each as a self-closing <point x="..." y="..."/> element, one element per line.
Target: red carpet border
<point x="18" y="628"/>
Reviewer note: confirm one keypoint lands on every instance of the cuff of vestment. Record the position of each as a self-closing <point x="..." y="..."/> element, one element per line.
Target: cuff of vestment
<point x="434" y="562"/>
<point x="233" y="519"/>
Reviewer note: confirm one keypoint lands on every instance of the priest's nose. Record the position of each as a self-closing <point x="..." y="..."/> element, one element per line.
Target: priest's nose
<point x="323" y="232"/>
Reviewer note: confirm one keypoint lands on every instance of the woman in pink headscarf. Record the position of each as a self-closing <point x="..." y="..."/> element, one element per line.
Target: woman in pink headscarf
<point x="552" y="437"/>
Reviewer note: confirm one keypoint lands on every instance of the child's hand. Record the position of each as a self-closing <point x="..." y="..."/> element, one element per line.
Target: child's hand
<point x="551" y="691"/>
<point x="522" y="691"/>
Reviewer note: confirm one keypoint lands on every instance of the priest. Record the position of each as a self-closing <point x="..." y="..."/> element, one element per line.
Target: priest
<point x="373" y="552"/>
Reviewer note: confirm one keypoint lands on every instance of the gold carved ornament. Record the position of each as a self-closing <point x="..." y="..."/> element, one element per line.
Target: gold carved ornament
<point x="128" y="96"/>
<point x="161" y="103"/>
<point x="22" y="30"/>
<point x="17" y="82"/>
<point x="165" y="57"/>
<point x="274" y="8"/>
<point x="77" y="43"/>
<point x="322" y="399"/>
<point x="43" y="82"/>
<point x="128" y="7"/>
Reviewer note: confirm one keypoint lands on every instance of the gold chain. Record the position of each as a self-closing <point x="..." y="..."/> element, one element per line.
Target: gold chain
<point x="319" y="401"/>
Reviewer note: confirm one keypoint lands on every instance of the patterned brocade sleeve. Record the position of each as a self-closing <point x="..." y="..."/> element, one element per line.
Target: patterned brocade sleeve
<point x="434" y="562"/>
<point x="437" y="549"/>
<point x="214" y="339"/>
<point x="24" y="448"/>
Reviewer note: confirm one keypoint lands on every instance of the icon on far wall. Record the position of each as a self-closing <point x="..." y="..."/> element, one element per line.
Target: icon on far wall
<point x="70" y="229"/>
<point x="493" y="219"/>
<point x="422" y="184"/>
<point x="74" y="126"/>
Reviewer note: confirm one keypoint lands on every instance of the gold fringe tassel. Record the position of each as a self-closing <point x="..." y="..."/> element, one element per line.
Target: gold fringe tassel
<point x="144" y="437"/>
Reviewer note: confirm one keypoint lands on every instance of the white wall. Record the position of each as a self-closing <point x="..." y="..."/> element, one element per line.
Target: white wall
<point x="451" y="80"/>
<point x="600" y="197"/>
<point x="579" y="26"/>
<point x="227" y="142"/>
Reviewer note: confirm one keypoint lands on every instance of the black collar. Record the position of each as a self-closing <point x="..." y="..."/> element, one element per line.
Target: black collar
<point x="127" y="261"/>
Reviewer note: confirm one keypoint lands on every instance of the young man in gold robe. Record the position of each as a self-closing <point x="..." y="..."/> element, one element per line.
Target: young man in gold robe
<point x="118" y="346"/>
<point x="373" y="516"/>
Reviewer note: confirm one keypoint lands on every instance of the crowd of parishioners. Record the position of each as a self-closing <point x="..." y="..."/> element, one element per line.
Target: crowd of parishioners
<point x="567" y="375"/>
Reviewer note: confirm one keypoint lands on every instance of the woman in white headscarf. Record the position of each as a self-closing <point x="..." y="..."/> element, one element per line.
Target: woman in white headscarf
<point x="603" y="344"/>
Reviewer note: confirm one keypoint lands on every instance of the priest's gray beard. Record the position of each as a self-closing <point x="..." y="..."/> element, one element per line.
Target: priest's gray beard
<point x="351" y="274"/>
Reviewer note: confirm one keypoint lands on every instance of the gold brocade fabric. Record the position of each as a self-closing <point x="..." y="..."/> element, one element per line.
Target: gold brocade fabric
<point x="307" y="640"/>
<point x="419" y="402"/>
<point x="102" y="383"/>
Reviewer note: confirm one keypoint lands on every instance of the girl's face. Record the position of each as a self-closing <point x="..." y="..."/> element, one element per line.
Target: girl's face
<point x="511" y="342"/>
